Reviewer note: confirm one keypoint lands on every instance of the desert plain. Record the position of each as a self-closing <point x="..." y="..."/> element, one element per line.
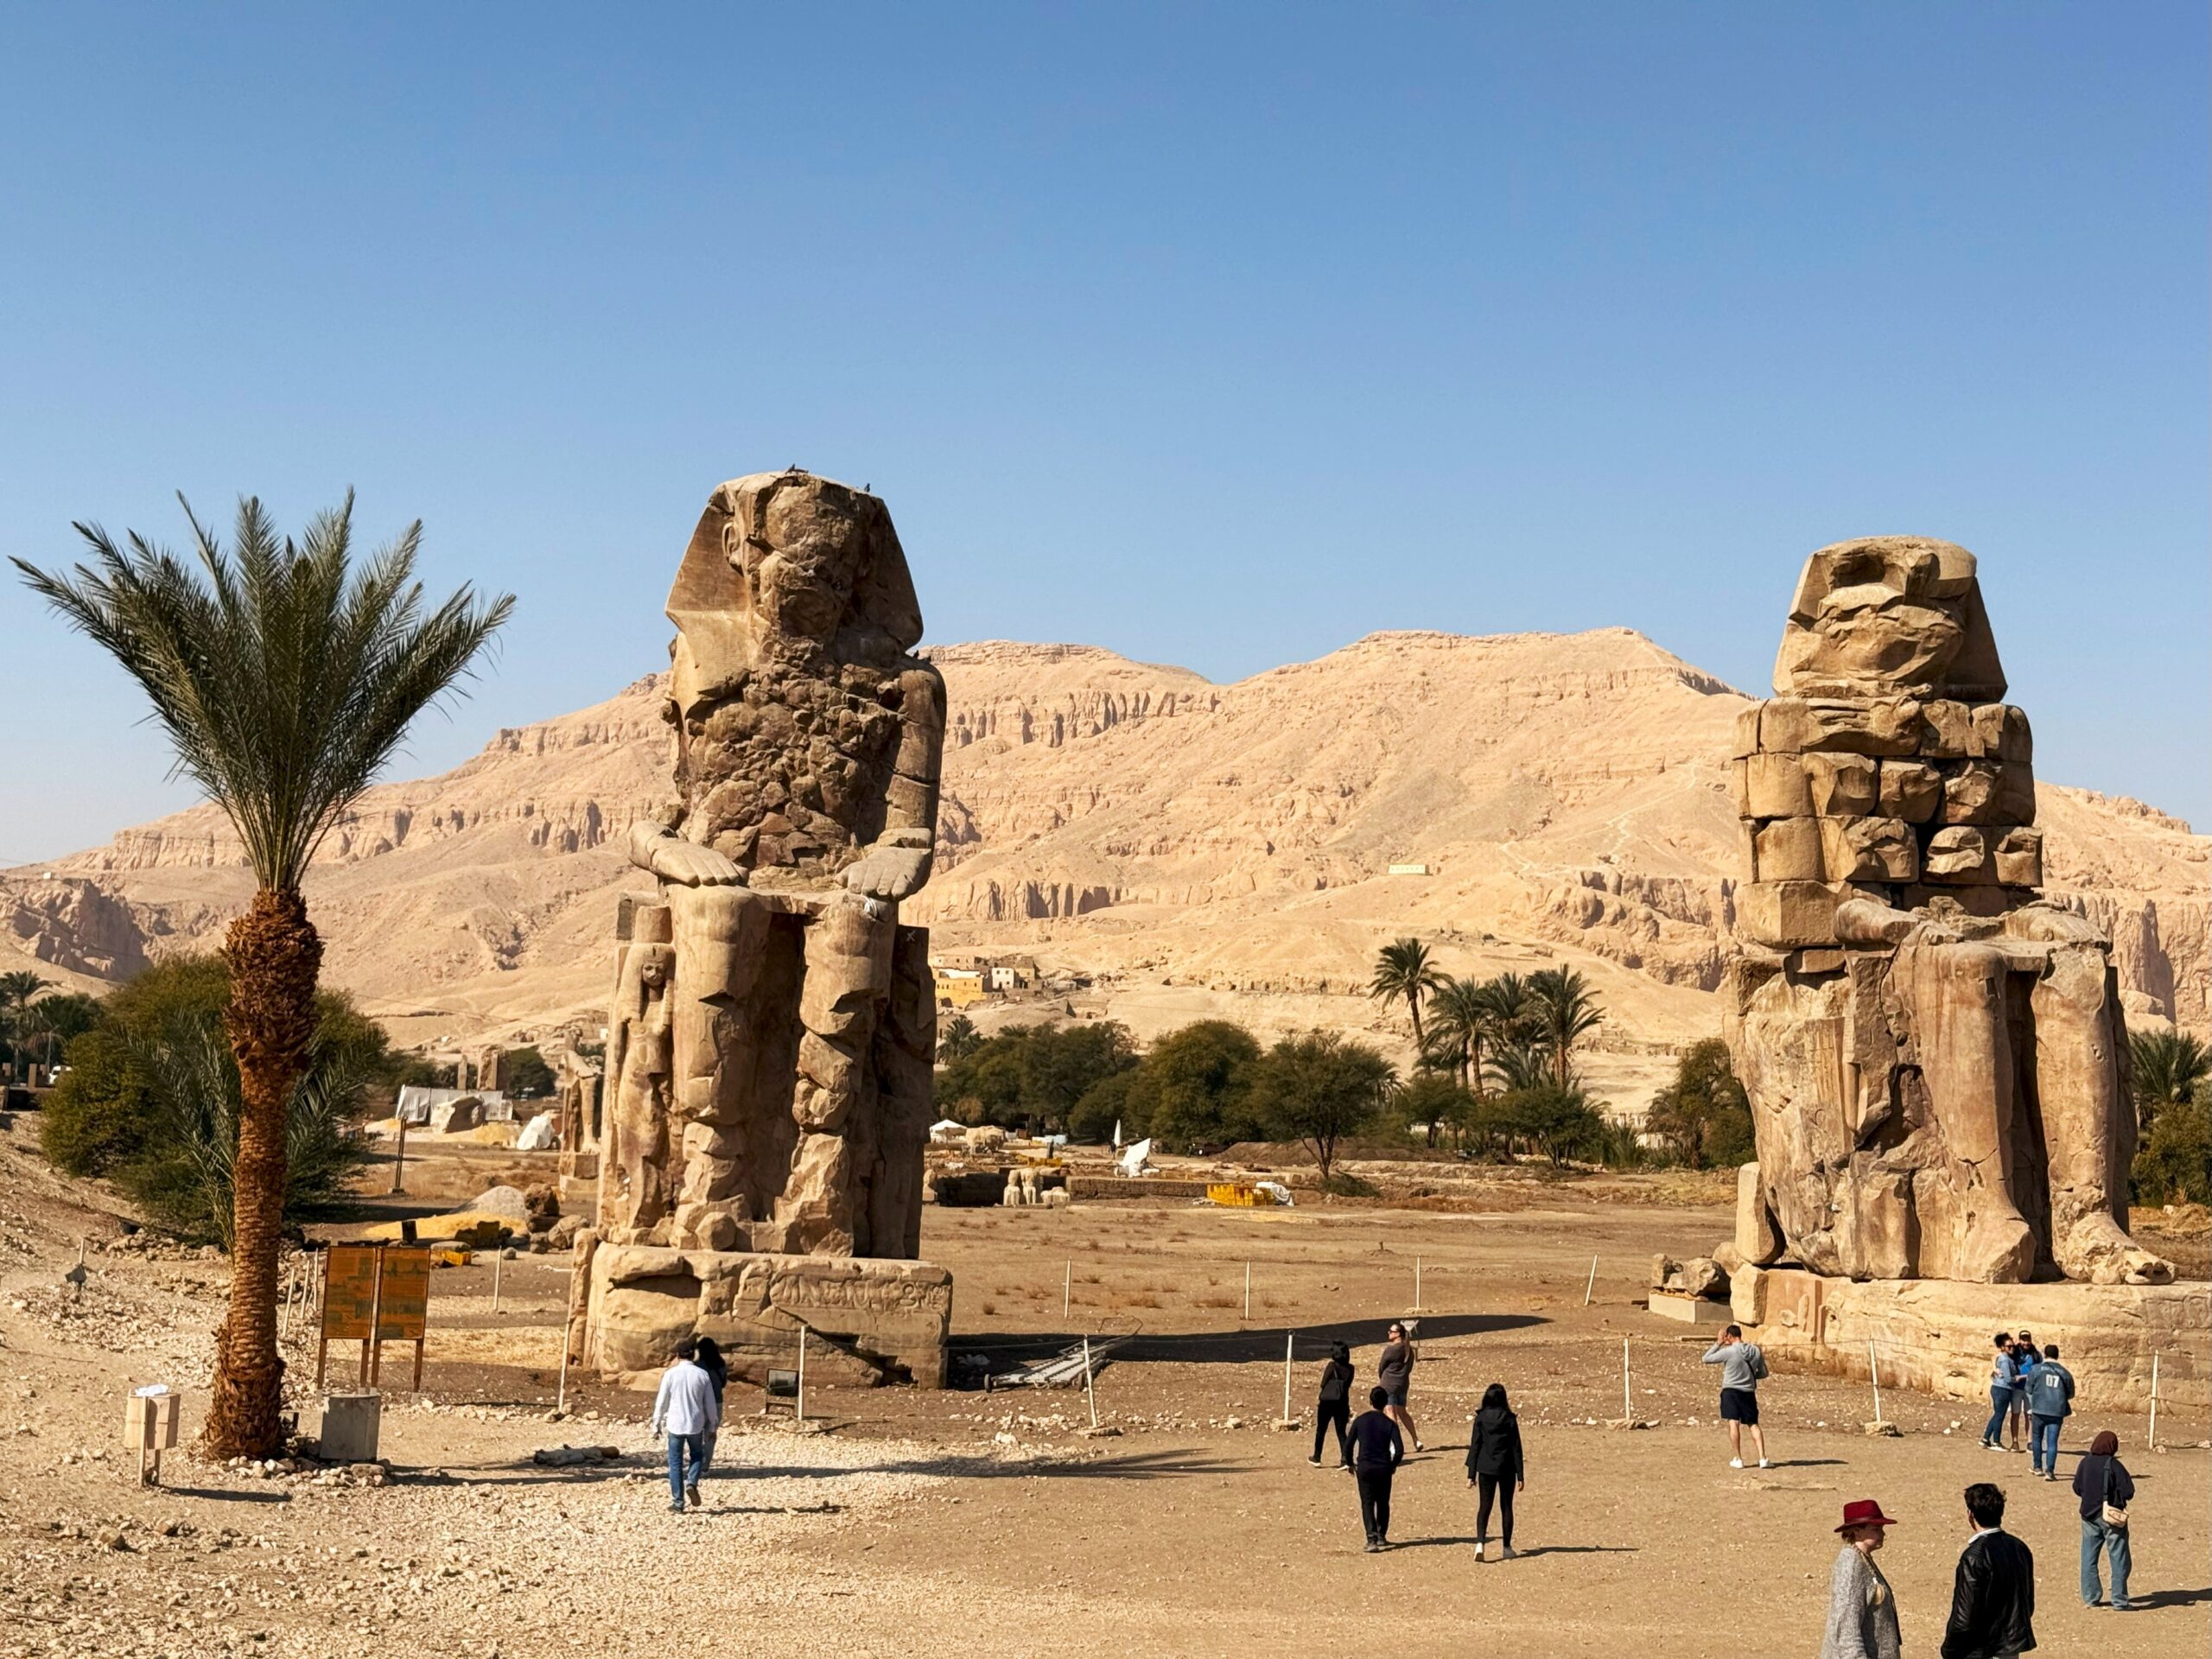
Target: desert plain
<point x="962" y="1522"/>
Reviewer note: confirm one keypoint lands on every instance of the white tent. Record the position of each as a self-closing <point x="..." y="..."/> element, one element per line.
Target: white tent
<point x="945" y="1129"/>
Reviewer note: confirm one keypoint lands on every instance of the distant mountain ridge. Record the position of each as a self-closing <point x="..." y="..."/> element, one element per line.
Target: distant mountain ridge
<point x="1205" y="848"/>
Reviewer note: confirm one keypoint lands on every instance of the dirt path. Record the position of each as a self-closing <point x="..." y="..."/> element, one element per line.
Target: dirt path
<point x="958" y="1522"/>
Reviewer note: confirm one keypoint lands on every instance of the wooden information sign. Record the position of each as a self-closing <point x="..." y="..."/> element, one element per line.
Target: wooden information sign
<point x="373" y="1294"/>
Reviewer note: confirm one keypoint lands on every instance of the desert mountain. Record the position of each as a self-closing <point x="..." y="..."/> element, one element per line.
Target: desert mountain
<point x="1196" y="847"/>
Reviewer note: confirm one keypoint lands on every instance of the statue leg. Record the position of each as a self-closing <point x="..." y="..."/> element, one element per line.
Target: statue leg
<point x="720" y="932"/>
<point x="1957" y="993"/>
<point x="2088" y="1121"/>
<point x="841" y="1004"/>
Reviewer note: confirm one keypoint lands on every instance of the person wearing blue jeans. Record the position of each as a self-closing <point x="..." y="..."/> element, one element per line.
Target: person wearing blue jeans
<point x="2004" y="1377"/>
<point x="2051" y="1400"/>
<point x="686" y="1409"/>
<point x="2103" y="1484"/>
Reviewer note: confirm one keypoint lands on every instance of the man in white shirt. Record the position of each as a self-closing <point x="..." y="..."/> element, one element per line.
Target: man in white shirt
<point x="686" y="1408"/>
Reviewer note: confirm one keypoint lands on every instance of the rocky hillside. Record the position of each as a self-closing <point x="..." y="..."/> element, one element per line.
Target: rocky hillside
<point x="1204" y="848"/>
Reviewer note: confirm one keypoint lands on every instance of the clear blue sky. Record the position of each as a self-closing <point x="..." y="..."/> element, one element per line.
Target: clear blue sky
<point x="1217" y="335"/>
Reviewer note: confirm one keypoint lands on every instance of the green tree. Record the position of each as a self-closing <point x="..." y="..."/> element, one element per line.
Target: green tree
<point x="1702" y="1116"/>
<point x="524" y="1074"/>
<point x="149" y="1100"/>
<point x="1565" y="1010"/>
<point x="285" y="677"/>
<point x="16" y="990"/>
<point x="1405" y="970"/>
<point x="1320" y="1089"/>
<point x="1433" y="1102"/>
<point x="2175" y="1163"/>
<point x="57" y="1021"/>
<point x="1104" y="1104"/>
<point x="1033" y="1076"/>
<point x="2164" y="1069"/>
<point x="1192" y="1089"/>
<point x="959" y="1039"/>
<point x="1561" y="1123"/>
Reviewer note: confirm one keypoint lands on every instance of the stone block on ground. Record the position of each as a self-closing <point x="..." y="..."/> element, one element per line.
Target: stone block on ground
<point x="870" y="1320"/>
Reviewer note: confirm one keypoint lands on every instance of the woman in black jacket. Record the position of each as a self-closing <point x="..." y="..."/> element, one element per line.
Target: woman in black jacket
<point x="1494" y="1467"/>
<point x="1334" y="1406"/>
<point x="709" y="1359"/>
<point x="2102" y="1483"/>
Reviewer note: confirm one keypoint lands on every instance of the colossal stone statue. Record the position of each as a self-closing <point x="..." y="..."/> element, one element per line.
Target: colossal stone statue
<point x="1934" y="1056"/>
<point x="770" y="1044"/>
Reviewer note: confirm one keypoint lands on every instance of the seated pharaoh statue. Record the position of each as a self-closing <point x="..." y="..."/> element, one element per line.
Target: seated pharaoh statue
<point x="1933" y="1053"/>
<point x="769" y="1049"/>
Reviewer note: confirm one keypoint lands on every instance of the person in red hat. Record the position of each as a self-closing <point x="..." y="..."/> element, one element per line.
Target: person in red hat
<point x="1862" y="1611"/>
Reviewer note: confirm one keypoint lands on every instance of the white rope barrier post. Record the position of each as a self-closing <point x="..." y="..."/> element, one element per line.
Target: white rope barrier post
<point x="2152" y="1439"/>
<point x="1248" y="1293"/>
<point x="1288" y="1339"/>
<point x="1067" y="1291"/>
<point x="1874" y="1374"/>
<point x="498" y="1259"/>
<point x="1628" y="1411"/>
<point x="561" y="1394"/>
<point x="798" y="1408"/>
<point x="1089" y="1394"/>
<point x="1590" y="1289"/>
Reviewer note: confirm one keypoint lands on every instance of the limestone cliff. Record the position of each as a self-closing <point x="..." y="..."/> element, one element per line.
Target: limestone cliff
<point x="1208" y="848"/>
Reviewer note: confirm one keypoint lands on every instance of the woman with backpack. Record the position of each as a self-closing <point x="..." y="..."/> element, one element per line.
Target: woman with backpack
<point x="1496" y="1468"/>
<point x="2105" y="1489"/>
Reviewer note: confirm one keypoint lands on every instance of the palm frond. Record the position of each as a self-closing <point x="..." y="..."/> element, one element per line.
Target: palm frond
<point x="285" y="675"/>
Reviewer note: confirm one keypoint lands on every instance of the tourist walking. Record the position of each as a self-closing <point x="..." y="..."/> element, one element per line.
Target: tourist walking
<point x="710" y="1361"/>
<point x="1377" y="1449"/>
<point x="1862" y="1611"/>
<point x="1742" y="1366"/>
<point x="2004" y="1379"/>
<point x="1333" y="1408"/>
<point x="1496" y="1467"/>
<point x="1395" y="1371"/>
<point x="1993" y="1589"/>
<point x="2105" y="1489"/>
<point x="2050" y="1401"/>
<point x="685" y="1410"/>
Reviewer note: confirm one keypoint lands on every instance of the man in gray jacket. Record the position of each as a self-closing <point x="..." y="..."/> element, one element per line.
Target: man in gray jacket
<point x="1742" y="1365"/>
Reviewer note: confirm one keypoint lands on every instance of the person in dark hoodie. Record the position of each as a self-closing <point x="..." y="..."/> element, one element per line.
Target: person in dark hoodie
<point x="710" y="1361"/>
<point x="1333" y="1409"/>
<point x="1494" y="1467"/>
<point x="1377" y="1449"/>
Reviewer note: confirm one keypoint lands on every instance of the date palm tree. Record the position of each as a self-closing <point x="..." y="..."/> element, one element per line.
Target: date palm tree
<point x="1566" y="1011"/>
<point x="285" y="677"/>
<point x="2164" y="1069"/>
<point x="1405" y="968"/>
<point x="17" y="989"/>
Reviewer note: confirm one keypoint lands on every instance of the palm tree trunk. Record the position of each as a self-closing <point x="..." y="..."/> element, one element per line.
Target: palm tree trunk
<point x="274" y="956"/>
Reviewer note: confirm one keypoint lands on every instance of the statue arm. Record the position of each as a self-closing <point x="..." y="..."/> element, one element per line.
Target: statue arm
<point x="2048" y="924"/>
<point x="1869" y="921"/>
<point x="655" y="847"/>
<point x="897" y="863"/>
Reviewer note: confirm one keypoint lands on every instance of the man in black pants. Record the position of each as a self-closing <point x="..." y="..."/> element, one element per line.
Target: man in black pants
<point x="1333" y="1409"/>
<point x="1377" y="1451"/>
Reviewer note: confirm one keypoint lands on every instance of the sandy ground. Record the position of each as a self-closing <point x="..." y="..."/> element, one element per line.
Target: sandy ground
<point x="961" y="1522"/>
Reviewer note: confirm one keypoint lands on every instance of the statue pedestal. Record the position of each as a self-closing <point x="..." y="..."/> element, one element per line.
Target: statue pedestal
<point x="868" y="1320"/>
<point x="1934" y="1334"/>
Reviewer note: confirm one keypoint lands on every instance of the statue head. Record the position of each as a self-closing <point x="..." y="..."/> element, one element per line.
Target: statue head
<point x="791" y="570"/>
<point x="1889" y="616"/>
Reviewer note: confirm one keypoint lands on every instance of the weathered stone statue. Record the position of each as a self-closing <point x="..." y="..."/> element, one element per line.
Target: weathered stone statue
<point x="1934" y="1056"/>
<point x="769" y="1054"/>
